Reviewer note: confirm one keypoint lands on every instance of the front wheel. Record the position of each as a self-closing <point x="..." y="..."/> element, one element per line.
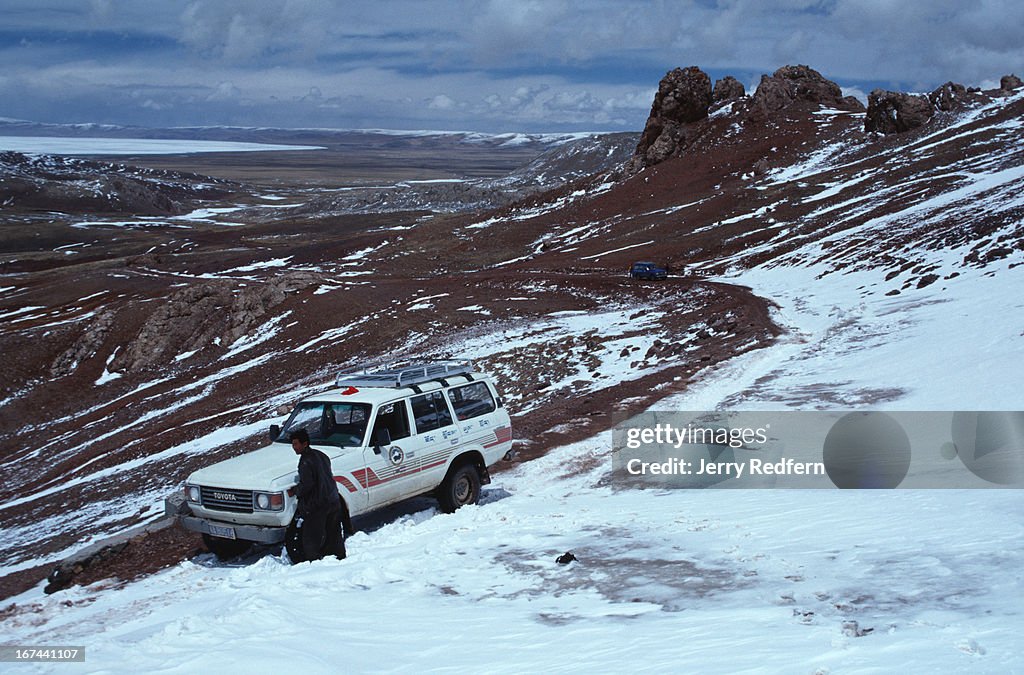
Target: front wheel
<point x="461" y="487"/>
<point x="225" y="549"/>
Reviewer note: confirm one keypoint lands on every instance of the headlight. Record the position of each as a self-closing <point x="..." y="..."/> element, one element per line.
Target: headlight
<point x="268" y="501"/>
<point x="192" y="493"/>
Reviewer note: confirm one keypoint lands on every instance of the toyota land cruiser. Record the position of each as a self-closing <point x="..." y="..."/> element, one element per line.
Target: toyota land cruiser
<point x="391" y="434"/>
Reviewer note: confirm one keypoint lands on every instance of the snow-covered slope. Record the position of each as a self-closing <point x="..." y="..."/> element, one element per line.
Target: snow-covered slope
<point x="702" y="580"/>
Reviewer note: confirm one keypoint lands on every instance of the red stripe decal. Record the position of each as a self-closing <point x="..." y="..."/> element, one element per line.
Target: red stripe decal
<point x="346" y="482"/>
<point x="366" y="477"/>
<point x="501" y="435"/>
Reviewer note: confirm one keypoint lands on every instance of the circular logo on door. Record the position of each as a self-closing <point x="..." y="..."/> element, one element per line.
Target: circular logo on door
<point x="396" y="455"/>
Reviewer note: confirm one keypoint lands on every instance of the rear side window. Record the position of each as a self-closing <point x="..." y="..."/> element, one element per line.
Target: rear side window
<point x="430" y="411"/>
<point x="471" y="400"/>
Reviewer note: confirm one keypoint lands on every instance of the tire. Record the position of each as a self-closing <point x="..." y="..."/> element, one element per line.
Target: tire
<point x="225" y="549"/>
<point x="460" y="487"/>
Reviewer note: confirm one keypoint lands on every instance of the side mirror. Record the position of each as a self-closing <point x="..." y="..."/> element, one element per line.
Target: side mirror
<point x="381" y="437"/>
<point x="275" y="431"/>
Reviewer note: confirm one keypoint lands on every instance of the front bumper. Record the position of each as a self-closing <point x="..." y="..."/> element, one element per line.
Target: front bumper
<point x="176" y="507"/>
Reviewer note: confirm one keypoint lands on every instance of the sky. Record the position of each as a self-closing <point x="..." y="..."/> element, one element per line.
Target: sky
<point x="478" y="65"/>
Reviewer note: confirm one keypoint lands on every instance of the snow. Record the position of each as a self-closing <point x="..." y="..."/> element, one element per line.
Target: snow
<point x="616" y="250"/>
<point x="208" y="215"/>
<point x="108" y="376"/>
<point x="261" y="334"/>
<point x="20" y="311"/>
<point x="719" y="580"/>
<point x="57" y="145"/>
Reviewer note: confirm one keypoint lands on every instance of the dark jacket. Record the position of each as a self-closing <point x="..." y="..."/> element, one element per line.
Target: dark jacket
<point x="316" y="489"/>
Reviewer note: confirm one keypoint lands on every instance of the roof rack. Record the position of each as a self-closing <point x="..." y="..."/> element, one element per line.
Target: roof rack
<point x="403" y="375"/>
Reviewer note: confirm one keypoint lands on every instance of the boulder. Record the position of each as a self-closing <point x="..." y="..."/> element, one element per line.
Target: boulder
<point x="949" y="96"/>
<point x="790" y="84"/>
<point x="684" y="96"/>
<point x="727" y="89"/>
<point x="891" y="112"/>
<point x="1010" y="82"/>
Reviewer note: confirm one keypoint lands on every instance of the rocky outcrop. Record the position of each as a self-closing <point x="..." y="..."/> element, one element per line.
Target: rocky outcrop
<point x="55" y="183"/>
<point x="949" y="96"/>
<point x="1010" y="83"/>
<point x="727" y="89"/>
<point x="791" y="84"/>
<point x="198" y="316"/>
<point x="684" y="97"/>
<point x="891" y="112"/>
<point x="84" y="347"/>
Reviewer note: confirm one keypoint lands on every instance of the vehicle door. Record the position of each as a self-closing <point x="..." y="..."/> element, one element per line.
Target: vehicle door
<point x="436" y="438"/>
<point x="337" y="429"/>
<point x="388" y="474"/>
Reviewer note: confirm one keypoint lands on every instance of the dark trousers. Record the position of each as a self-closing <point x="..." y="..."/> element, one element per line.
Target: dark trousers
<point x="334" y="538"/>
<point x="322" y="534"/>
<point x="312" y="534"/>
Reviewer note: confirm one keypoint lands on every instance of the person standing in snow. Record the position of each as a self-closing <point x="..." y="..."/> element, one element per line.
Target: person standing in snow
<point x="319" y="509"/>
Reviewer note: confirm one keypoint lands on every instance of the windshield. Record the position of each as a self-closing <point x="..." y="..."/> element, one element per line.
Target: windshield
<point x="339" y="424"/>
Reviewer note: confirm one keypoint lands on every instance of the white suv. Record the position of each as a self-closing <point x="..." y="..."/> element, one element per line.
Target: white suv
<point x="436" y="428"/>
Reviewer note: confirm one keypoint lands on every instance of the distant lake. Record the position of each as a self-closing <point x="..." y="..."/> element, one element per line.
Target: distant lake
<point x="55" y="145"/>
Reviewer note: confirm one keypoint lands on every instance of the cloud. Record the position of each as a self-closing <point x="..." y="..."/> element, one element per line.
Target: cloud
<point x="441" y="102"/>
<point x="466" y="64"/>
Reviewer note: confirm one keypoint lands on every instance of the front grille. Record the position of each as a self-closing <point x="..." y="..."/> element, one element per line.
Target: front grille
<point x="226" y="499"/>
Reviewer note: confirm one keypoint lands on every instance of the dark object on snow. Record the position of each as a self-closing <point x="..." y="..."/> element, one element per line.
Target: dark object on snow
<point x="63" y="575"/>
<point x="565" y="558"/>
<point x="853" y="629"/>
<point x="892" y="112"/>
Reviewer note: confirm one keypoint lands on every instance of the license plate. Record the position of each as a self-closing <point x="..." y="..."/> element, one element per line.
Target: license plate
<point x="226" y="532"/>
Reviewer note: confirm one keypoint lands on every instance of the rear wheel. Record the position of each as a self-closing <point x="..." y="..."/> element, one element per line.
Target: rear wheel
<point x="461" y="487"/>
<point x="225" y="549"/>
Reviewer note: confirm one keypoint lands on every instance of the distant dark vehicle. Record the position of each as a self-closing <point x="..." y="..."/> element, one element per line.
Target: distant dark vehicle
<point x="647" y="270"/>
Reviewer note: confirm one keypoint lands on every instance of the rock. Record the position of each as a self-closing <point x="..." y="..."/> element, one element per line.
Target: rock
<point x="565" y="558"/>
<point x="791" y="84"/>
<point x="1010" y="82"/>
<point x="85" y="346"/>
<point x="853" y="629"/>
<point x="891" y="112"/>
<point x="948" y="97"/>
<point x="684" y="97"/>
<point x="728" y="89"/>
<point x="196" y="316"/>
<point x="853" y="103"/>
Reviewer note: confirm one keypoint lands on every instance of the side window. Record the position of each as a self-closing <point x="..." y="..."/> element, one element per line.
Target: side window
<point x="393" y="417"/>
<point x="430" y="411"/>
<point x="471" y="400"/>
